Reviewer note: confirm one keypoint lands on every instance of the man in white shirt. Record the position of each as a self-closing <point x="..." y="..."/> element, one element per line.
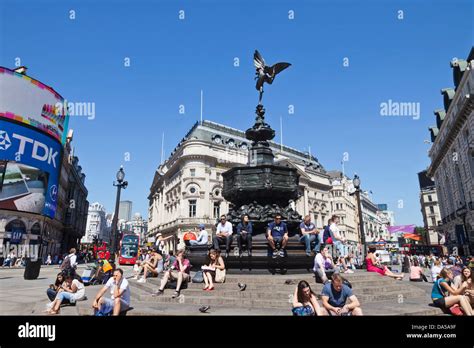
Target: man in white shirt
<point x="203" y="237"/>
<point x="72" y="257"/>
<point x="323" y="265"/>
<point x="223" y="235"/>
<point x="70" y="261"/>
<point x="120" y="295"/>
<point x="338" y="240"/>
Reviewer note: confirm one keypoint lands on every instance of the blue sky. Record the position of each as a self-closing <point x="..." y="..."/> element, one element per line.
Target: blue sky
<point x="337" y="108"/>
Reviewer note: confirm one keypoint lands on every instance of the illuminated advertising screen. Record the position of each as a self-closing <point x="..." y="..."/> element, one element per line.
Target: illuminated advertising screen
<point x="26" y="100"/>
<point x="29" y="169"/>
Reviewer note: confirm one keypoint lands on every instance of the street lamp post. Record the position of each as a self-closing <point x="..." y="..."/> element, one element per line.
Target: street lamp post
<point x="120" y="183"/>
<point x="356" y="183"/>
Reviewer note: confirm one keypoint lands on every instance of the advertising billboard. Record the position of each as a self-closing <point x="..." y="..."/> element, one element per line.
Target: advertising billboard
<point x="26" y="100"/>
<point x="29" y="169"/>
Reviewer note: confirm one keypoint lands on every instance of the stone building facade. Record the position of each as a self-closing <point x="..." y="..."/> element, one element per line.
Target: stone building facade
<point x="187" y="187"/>
<point x="96" y="226"/>
<point x="430" y="210"/>
<point x="452" y="158"/>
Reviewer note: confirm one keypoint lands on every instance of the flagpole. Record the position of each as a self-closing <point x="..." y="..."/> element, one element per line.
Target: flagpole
<point x="201" y="105"/>
<point x="281" y="134"/>
<point x="162" y="147"/>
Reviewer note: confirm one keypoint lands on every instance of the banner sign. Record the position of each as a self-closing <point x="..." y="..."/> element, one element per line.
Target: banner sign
<point x="30" y="164"/>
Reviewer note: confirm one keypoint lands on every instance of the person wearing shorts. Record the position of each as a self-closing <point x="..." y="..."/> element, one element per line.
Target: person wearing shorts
<point x="277" y="236"/>
<point x="120" y="295"/>
<point x="179" y="272"/>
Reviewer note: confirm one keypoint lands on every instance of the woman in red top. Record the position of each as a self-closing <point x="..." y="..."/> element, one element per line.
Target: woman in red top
<point x="382" y="270"/>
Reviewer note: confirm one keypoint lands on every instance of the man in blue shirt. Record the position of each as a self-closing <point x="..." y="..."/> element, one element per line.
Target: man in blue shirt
<point x="309" y="234"/>
<point x="334" y="296"/>
<point x="244" y="234"/>
<point x="277" y="235"/>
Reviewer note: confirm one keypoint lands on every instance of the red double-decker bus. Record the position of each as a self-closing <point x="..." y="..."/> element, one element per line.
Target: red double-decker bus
<point x="129" y="249"/>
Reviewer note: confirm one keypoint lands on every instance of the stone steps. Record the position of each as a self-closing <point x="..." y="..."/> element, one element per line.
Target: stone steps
<point x="265" y="295"/>
<point x="279" y="291"/>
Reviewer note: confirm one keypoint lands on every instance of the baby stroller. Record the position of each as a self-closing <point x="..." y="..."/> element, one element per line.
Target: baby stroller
<point x="89" y="275"/>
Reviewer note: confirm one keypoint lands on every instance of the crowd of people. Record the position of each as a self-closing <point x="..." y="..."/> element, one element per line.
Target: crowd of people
<point x="451" y="275"/>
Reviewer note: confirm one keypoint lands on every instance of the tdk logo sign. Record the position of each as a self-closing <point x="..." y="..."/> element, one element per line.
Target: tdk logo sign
<point x="39" y="151"/>
<point x="5" y="142"/>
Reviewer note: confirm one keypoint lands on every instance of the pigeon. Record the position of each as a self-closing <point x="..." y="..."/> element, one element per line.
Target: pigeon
<point x="242" y="286"/>
<point x="266" y="73"/>
<point x="204" y="309"/>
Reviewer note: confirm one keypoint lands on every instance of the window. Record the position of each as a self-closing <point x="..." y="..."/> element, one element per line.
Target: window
<point x="431" y="209"/>
<point x="471" y="161"/>
<point x="192" y="208"/>
<point x="430" y="199"/>
<point x="433" y="221"/>
<point x="193" y="172"/>
<point x="192" y="190"/>
<point x="217" y="209"/>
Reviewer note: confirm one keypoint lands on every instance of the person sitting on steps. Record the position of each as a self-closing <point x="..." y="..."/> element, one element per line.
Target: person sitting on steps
<point x="444" y="296"/>
<point x="324" y="267"/>
<point x="244" y="235"/>
<point x="179" y="272"/>
<point x="373" y="266"/>
<point x="223" y="235"/>
<point x="214" y="261"/>
<point x="305" y="302"/>
<point x="277" y="236"/>
<point x="150" y="266"/>
<point x="120" y="296"/>
<point x="202" y="238"/>
<point x="334" y="296"/>
<point x="309" y="234"/>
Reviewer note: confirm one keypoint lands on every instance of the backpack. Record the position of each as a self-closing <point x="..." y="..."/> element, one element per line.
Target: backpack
<point x="327" y="235"/>
<point x="66" y="263"/>
<point x="198" y="277"/>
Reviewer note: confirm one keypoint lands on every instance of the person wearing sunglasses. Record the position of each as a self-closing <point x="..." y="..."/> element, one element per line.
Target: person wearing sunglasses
<point x="277" y="236"/>
<point x="223" y="235"/>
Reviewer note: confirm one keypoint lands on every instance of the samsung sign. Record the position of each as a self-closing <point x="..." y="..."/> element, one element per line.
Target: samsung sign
<point x="26" y="146"/>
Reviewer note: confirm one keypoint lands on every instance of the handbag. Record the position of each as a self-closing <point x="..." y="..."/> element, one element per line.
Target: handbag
<point x="456" y="310"/>
<point x="198" y="277"/>
<point x="220" y="275"/>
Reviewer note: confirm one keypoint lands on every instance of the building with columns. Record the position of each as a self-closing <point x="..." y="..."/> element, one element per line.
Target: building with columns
<point x="430" y="209"/>
<point x="96" y="226"/>
<point x="344" y="205"/>
<point x="452" y="158"/>
<point x="375" y="225"/>
<point x="187" y="188"/>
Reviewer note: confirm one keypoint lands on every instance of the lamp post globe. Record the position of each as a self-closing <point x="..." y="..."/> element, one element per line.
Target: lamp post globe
<point x="356" y="181"/>
<point x="120" y="175"/>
